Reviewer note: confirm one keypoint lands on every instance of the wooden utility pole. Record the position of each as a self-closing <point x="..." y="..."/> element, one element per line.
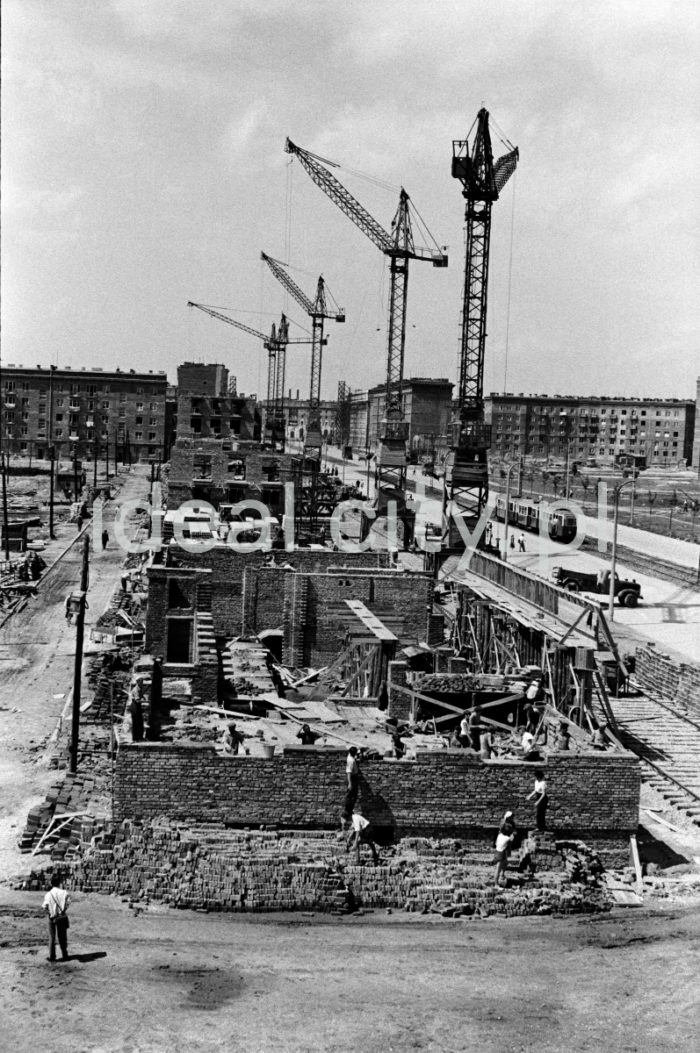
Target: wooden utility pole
<point x="77" y="667"/>
<point x="5" y="521"/>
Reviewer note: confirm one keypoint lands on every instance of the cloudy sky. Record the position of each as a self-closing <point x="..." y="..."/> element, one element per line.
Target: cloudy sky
<point x="144" y="166"/>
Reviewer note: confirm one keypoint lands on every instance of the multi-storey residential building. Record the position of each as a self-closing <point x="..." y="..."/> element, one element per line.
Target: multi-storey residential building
<point x="696" y="436"/>
<point x="595" y="428"/>
<point x="82" y="412"/>
<point x="208" y="406"/>
<point x="427" y="407"/>
<point x="296" y="412"/>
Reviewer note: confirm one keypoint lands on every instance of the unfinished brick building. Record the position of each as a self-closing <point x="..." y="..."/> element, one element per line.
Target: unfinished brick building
<point x="199" y="601"/>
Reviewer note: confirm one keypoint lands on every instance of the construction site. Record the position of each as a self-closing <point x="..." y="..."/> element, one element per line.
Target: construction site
<point x="278" y="651"/>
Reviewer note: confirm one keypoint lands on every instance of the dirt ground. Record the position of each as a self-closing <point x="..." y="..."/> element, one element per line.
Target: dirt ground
<point x="160" y="980"/>
<point x="167" y="981"/>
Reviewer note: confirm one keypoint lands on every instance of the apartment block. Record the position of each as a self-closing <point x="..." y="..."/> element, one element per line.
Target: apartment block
<point x="656" y="432"/>
<point x="82" y="412"/>
<point x="427" y="407"/>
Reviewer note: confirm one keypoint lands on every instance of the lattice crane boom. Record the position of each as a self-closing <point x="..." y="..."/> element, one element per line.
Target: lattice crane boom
<point x="482" y="181"/>
<point x="276" y="347"/>
<point x="400" y="247"/>
<point x="318" y="311"/>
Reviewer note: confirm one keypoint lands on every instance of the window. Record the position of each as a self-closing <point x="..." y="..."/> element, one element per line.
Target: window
<point x="179" y="593"/>
<point x="138" y="436"/>
<point x="178" y="647"/>
<point x="152" y="420"/>
<point x="25" y="385"/>
<point x="139" y="420"/>
<point x="151" y="436"/>
<point x="105" y="404"/>
<point x="139" y="405"/>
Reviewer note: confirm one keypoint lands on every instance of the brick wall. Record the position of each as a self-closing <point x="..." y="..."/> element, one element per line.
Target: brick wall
<point x="659" y="674"/>
<point x="441" y="794"/>
<point x="400" y="601"/>
<point x="223" y="570"/>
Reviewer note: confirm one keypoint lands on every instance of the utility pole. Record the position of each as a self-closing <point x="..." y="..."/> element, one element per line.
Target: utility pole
<point x="94" y="467"/>
<point x="506" y="516"/>
<point x="5" y="523"/>
<point x="613" y="555"/>
<point x="75" y="471"/>
<point x="52" y="453"/>
<point x="77" y="667"/>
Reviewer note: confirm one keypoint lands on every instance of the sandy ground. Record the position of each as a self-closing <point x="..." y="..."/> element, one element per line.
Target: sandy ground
<point x="198" y="982"/>
<point x="169" y="981"/>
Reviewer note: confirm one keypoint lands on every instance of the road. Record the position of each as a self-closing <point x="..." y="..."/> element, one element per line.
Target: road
<point x="37" y="647"/>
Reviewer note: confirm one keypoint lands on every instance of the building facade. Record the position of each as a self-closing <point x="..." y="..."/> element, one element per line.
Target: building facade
<point x="83" y="413"/>
<point x="600" y="429"/>
<point x="427" y="407"/>
<point x="696" y="436"/>
<point x="296" y="412"/>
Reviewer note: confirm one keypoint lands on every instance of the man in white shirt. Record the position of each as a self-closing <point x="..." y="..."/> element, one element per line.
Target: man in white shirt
<point x="504" y="840"/>
<point x="352" y="785"/>
<point x="56" y="903"/>
<point x="361" y="833"/>
<point x="527" y="741"/>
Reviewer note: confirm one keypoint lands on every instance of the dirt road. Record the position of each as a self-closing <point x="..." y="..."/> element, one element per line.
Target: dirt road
<point x="202" y="982"/>
<point x="37" y="646"/>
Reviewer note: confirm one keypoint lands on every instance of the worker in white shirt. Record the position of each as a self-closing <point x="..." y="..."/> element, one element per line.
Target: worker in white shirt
<point x="56" y="903"/>
<point x="361" y="833"/>
<point x="504" y="840"/>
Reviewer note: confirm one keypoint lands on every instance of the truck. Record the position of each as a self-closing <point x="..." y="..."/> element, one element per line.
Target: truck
<point x="627" y="593"/>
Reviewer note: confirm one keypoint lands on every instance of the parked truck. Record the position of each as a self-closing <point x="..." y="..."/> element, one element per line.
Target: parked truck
<point x="627" y="593"/>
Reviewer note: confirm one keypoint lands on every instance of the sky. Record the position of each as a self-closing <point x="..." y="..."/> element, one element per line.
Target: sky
<point x="143" y="166"/>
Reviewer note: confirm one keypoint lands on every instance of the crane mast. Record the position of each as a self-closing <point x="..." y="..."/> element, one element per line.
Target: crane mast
<point x="482" y="181"/>
<point x="400" y="247"/>
<point x="276" y="347"/>
<point x="318" y="312"/>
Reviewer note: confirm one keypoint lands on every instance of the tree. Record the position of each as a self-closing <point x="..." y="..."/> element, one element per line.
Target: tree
<point x="585" y="481"/>
<point x="651" y="497"/>
<point x="673" y="504"/>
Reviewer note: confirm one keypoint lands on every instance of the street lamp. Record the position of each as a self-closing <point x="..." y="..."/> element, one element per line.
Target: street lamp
<point x="506" y="514"/>
<point x="613" y="555"/>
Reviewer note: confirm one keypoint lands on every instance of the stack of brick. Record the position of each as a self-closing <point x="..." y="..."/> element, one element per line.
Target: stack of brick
<point x="270" y="871"/>
<point x="659" y="674"/>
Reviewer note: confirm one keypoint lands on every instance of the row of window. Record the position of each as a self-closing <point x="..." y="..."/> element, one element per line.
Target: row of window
<point x="72" y="388"/>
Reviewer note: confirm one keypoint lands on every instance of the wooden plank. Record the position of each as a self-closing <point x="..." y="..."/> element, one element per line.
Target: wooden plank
<point x="637" y="865"/>
<point x="371" y="621"/>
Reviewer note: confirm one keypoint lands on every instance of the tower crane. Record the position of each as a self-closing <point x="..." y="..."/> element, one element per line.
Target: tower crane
<point x="400" y="247"/>
<point x="276" y="347"/>
<point x="318" y="312"/>
<point x="482" y="181"/>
